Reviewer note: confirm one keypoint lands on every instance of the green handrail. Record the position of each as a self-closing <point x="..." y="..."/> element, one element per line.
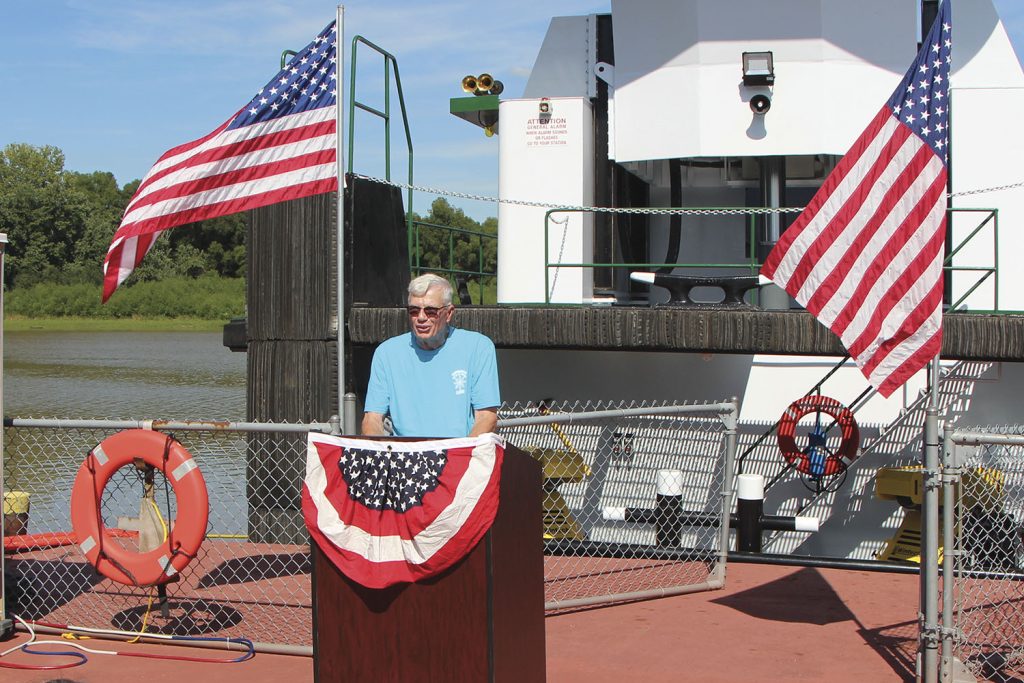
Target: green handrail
<point x="751" y="263"/>
<point x="389" y="60"/>
<point x="988" y="271"/>
<point x="754" y="265"/>
<point x="451" y="270"/>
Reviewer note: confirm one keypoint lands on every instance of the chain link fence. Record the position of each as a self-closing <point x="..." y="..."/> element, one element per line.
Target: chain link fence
<point x="637" y="503"/>
<point x="983" y="559"/>
<point x="250" y="577"/>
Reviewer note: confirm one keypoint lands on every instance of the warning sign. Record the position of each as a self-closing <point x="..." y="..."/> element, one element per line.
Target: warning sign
<point x="546" y="131"/>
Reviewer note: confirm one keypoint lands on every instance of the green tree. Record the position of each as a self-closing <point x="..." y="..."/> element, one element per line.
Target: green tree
<point x="41" y="213"/>
<point x="220" y="240"/>
<point x="60" y="223"/>
<point x="105" y="203"/>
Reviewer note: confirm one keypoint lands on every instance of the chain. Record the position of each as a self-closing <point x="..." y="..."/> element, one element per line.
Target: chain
<point x="569" y="207"/>
<point x="561" y="252"/>
<point x="626" y="210"/>
<point x="987" y="189"/>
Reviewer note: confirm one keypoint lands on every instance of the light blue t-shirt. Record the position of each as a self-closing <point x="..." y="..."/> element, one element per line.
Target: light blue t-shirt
<point x="433" y="393"/>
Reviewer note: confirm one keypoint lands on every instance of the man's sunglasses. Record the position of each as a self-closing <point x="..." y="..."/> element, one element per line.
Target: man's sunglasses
<point x="429" y="311"/>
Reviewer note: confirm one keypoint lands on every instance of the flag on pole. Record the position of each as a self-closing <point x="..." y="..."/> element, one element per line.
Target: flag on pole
<point x="865" y="255"/>
<point x="392" y="512"/>
<point x="281" y="145"/>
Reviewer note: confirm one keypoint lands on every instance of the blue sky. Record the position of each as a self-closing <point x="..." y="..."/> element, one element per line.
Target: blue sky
<point x="115" y="83"/>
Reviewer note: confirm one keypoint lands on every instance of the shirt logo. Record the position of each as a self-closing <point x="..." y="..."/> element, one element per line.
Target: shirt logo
<point x="459" y="380"/>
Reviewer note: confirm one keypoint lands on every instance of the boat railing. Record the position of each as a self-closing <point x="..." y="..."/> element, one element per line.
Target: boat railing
<point x="967" y="249"/>
<point x="459" y="254"/>
<point x="390" y="67"/>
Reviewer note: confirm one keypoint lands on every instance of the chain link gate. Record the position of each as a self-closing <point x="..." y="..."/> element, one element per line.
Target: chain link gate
<point x="604" y="537"/>
<point x="636" y="499"/>
<point x="983" y="576"/>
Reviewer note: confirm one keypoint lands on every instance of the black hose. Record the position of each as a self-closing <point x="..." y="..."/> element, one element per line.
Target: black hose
<point x="675" y="225"/>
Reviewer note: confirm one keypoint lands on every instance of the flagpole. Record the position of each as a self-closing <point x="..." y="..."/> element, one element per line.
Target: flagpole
<point x="347" y="417"/>
<point x="929" y="644"/>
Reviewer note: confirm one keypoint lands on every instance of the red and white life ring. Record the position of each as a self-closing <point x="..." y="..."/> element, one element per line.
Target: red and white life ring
<point x="184" y="537"/>
<point x="801" y="458"/>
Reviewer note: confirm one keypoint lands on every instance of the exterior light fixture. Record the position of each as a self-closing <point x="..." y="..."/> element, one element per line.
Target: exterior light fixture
<point x="758" y="68"/>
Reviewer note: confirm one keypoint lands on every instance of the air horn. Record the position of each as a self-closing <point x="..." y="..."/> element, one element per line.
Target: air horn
<point x="484" y="84"/>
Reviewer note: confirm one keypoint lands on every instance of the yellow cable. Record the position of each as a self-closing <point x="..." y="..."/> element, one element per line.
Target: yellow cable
<point x="149" y="605"/>
<point x="145" y="618"/>
<point x="163" y="524"/>
<point x="74" y="636"/>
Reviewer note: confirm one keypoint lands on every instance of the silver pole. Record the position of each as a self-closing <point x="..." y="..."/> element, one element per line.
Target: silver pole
<point x="340" y="231"/>
<point x="349" y="416"/>
<point x="218" y="644"/>
<point x="3" y="584"/>
<point x="929" y="643"/>
<point x="950" y="468"/>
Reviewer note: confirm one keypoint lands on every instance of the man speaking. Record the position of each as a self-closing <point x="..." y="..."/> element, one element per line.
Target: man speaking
<point x="435" y="380"/>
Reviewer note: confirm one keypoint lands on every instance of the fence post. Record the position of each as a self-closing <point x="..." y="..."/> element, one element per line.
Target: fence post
<point x="950" y="478"/>
<point x="730" y="420"/>
<point x="348" y="419"/>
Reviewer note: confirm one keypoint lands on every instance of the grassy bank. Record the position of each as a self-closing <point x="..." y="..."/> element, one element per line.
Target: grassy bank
<point x="179" y="303"/>
<point x="17" y="323"/>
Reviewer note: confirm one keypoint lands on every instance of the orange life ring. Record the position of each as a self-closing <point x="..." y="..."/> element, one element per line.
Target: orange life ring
<point x="184" y="537"/>
<point x="817" y="460"/>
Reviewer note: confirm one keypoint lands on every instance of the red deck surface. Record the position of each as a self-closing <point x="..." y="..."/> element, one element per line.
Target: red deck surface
<point x="768" y="624"/>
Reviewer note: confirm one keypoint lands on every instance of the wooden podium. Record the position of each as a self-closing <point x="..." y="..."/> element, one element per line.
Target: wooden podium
<point x="481" y="620"/>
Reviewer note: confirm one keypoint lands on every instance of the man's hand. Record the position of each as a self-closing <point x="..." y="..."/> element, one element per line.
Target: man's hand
<point x="485" y="421"/>
<point x="373" y="424"/>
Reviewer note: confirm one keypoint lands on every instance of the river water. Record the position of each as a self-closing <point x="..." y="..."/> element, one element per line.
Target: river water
<point x="122" y="375"/>
<point x="119" y="375"/>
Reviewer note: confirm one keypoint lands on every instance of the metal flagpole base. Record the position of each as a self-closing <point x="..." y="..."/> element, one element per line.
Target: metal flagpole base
<point x="960" y="673"/>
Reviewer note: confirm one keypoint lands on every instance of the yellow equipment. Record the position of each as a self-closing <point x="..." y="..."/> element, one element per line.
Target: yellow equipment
<point x="982" y="488"/>
<point x="559" y="466"/>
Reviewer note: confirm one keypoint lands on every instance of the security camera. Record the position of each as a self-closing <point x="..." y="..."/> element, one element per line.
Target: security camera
<point x="760" y="104"/>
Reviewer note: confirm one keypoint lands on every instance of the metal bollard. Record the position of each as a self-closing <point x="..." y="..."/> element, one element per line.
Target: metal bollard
<point x="668" y="528"/>
<point x="749" y="511"/>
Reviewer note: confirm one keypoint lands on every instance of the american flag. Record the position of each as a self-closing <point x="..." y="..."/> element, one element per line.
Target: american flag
<point x="865" y="255"/>
<point x="279" y="146"/>
<point x="396" y="512"/>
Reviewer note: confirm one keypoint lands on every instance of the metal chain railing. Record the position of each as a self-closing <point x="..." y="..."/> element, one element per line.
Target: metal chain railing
<point x="627" y="210"/>
<point x="569" y="207"/>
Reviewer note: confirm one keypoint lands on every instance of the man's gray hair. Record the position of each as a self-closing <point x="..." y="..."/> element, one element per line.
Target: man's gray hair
<point x="420" y="285"/>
